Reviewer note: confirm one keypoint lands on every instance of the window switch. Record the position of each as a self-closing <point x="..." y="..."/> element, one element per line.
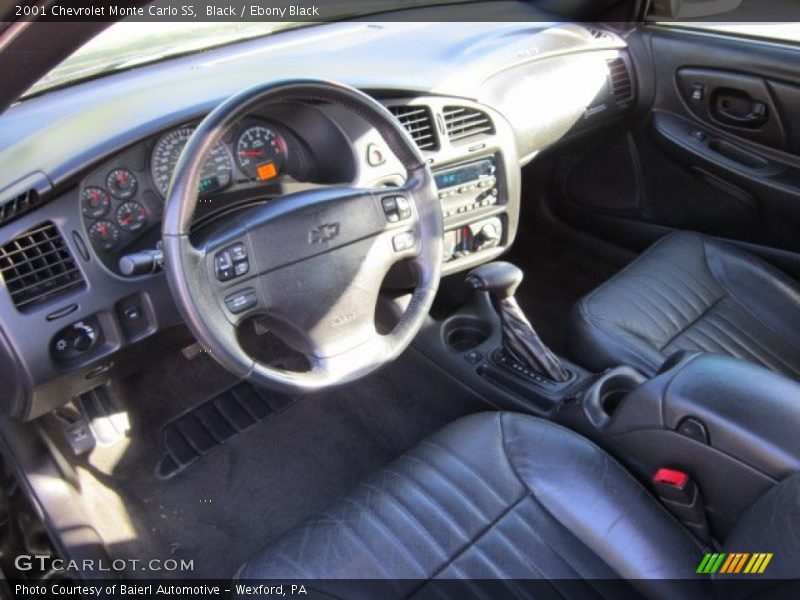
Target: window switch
<point x="132" y="313"/>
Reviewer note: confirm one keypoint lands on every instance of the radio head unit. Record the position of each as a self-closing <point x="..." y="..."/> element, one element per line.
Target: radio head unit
<point x="467" y="187"/>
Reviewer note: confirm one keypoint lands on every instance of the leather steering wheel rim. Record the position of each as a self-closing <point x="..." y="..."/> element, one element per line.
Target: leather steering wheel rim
<point x="333" y="357"/>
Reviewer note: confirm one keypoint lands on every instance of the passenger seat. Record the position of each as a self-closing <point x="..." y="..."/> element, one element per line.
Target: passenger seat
<point x="690" y="292"/>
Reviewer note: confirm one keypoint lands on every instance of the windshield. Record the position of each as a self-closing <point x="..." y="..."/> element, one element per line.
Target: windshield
<point x="127" y="44"/>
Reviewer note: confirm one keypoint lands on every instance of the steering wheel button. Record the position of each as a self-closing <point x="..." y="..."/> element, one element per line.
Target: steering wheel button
<point x="403" y="241"/>
<point x="403" y="207"/>
<point x="241" y="301"/>
<point x="241" y="267"/>
<point x="238" y="252"/>
<point x="223" y="260"/>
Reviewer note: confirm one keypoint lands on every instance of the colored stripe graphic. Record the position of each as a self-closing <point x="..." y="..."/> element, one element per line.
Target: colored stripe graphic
<point x="734" y="562"/>
<point x="758" y="563"/>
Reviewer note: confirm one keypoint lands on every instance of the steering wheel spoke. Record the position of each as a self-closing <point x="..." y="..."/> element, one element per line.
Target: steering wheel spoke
<point x="351" y="363"/>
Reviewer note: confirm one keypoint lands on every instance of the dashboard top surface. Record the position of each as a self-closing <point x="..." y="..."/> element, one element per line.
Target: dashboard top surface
<point x="63" y="131"/>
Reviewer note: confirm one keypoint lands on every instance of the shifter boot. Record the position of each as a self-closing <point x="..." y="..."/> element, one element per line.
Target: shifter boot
<point x="520" y="340"/>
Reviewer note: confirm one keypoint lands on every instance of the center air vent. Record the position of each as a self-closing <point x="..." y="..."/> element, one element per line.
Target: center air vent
<point x="37" y="265"/>
<point x="462" y="122"/>
<point x="418" y="121"/>
<point x="598" y="34"/>
<point x="620" y="78"/>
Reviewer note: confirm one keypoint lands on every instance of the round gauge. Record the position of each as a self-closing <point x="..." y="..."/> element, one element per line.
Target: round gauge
<point x="95" y="202"/>
<point x="131" y="216"/>
<point x="121" y="183"/>
<point x="104" y="234"/>
<point x="217" y="168"/>
<point x="260" y="152"/>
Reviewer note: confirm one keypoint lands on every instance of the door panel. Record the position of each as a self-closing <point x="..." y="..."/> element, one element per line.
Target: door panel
<point x="717" y="149"/>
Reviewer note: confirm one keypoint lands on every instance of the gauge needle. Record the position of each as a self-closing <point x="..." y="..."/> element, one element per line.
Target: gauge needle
<point x="251" y="153"/>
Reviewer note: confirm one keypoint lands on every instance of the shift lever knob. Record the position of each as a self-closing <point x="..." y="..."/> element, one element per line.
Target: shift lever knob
<point x="500" y="279"/>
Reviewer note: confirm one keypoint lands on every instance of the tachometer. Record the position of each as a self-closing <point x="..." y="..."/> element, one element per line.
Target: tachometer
<point x="217" y="168"/>
<point x="260" y="152"/>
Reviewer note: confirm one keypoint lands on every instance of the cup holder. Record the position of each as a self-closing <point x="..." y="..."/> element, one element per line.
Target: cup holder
<point x="603" y="398"/>
<point x="462" y="334"/>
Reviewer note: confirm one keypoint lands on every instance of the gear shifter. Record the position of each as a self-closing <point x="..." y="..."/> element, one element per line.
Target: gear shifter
<point x="520" y="340"/>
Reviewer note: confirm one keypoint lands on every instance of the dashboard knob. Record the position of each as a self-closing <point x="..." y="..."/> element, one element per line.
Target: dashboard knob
<point x="83" y="337"/>
<point x="489" y="235"/>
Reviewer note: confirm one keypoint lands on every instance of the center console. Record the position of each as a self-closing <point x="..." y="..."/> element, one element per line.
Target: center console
<point x="730" y="424"/>
<point x="727" y="426"/>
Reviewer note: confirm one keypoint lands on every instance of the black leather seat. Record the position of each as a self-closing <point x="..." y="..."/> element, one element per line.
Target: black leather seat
<point x="506" y="496"/>
<point x="690" y="292"/>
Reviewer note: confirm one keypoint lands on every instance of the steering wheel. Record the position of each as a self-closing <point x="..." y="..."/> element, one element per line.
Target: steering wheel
<point x="315" y="259"/>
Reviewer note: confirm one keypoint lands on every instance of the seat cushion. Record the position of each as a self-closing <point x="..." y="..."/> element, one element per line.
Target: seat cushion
<point x="493" y="496"/>
<point x="690" y="292"/>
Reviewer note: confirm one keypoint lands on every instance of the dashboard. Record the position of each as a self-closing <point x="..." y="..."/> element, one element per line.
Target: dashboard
<point x="84" y="170"/>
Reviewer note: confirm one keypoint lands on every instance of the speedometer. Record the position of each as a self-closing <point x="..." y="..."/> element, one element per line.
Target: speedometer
<point x="217" y="168"/>
<point x="260" y="152"/>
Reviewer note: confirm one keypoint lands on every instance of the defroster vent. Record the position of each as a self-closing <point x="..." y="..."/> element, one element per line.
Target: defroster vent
<point x="462" y="122"/>
<point x="37" y="265"/>
<point x="418" y="122"/>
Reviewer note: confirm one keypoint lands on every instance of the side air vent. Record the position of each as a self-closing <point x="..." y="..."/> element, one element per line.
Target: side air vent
<point x="37" y="266"/>
<point x="418" y="121"/>
<point x="19" y="205"/>
<point x="461" y="123"/>
<point x="620" y="78"/>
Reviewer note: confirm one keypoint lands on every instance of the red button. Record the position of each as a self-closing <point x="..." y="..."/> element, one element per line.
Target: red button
<point x="671" y="477"/>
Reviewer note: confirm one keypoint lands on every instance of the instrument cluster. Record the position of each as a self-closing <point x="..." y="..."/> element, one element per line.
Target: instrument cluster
<point x="123" y="199"/>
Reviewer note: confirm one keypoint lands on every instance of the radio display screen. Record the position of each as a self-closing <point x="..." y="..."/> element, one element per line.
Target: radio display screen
<point x="465" y="174"/>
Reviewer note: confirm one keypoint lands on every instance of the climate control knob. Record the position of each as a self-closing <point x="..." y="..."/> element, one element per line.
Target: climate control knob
<point x="487" y="237"/>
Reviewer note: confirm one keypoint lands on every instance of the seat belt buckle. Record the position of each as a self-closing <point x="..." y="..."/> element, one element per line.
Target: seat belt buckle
<point x="680" y="495"/>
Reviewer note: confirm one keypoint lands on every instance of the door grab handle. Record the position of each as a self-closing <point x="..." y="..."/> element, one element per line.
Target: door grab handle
<point x="738" y="108"/>
<point x="737" y="155"/>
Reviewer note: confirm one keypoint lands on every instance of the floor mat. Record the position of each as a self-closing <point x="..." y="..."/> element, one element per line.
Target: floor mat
<point x="262" y="481"/>
<point x="195" y="434"/>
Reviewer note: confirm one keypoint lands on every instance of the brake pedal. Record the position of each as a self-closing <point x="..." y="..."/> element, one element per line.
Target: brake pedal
<point x="76" y="428"/>
<point x="107" y="421"/>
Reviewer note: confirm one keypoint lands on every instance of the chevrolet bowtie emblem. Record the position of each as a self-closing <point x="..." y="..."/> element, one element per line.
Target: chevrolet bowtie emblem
<point x="323" y="233"/>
